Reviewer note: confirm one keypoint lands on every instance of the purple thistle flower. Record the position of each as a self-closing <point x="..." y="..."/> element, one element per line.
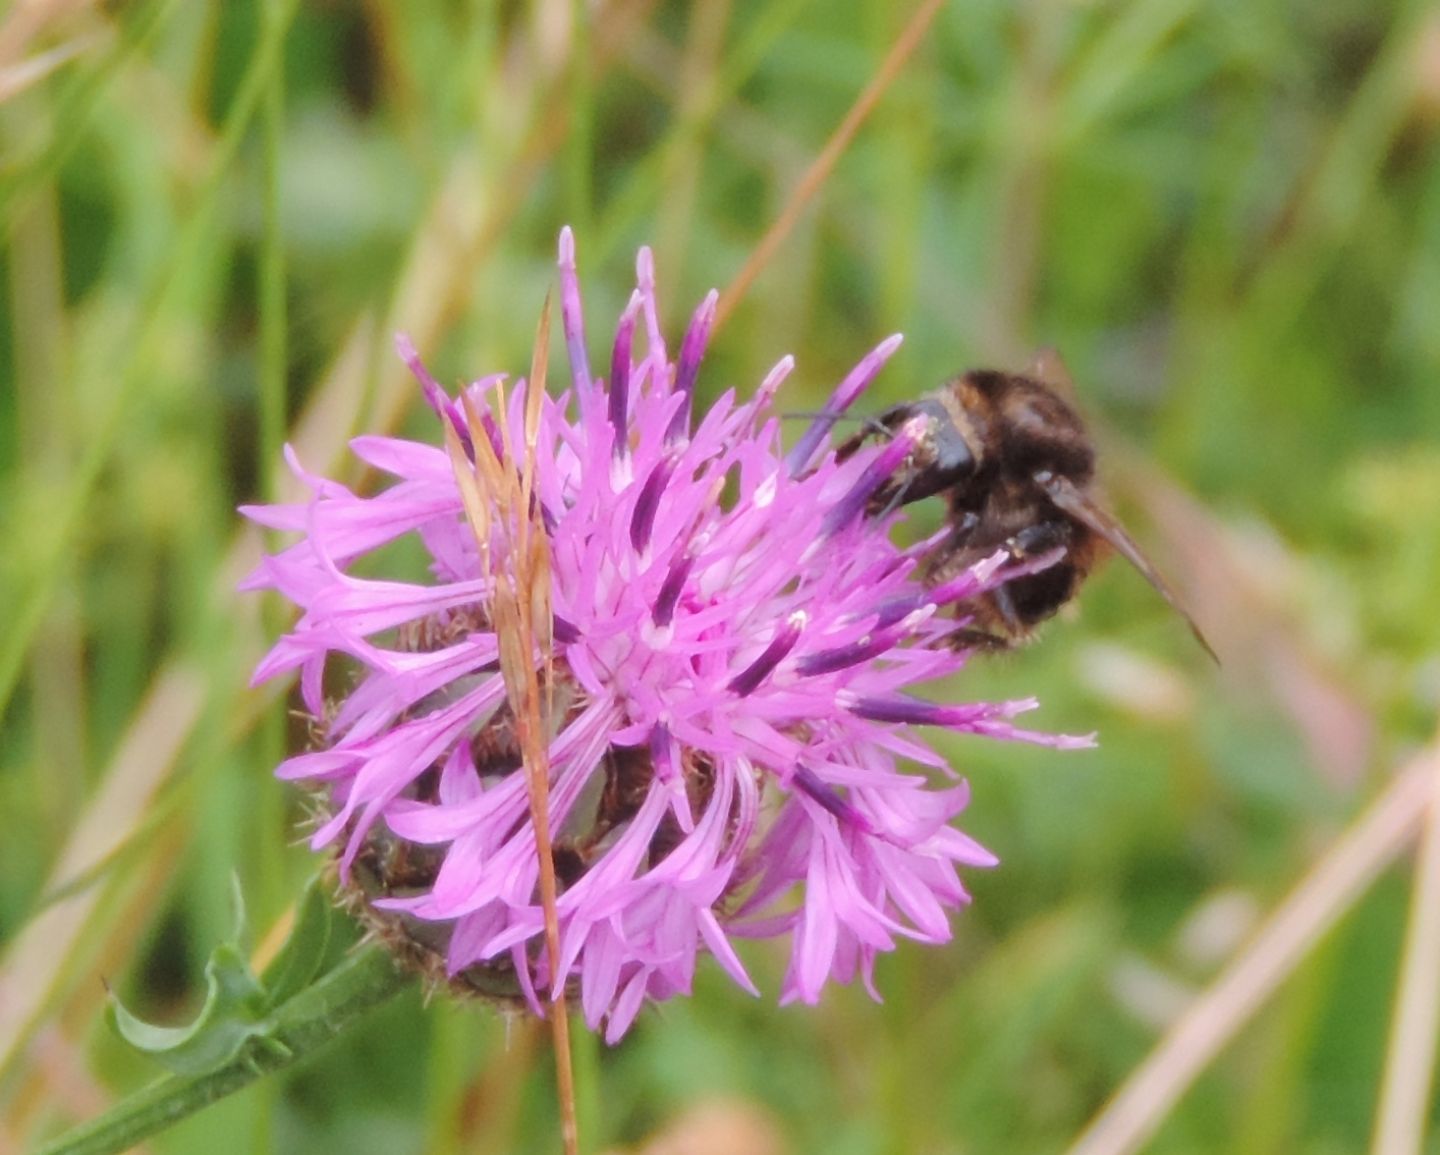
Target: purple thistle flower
<point x="736" y="654"/>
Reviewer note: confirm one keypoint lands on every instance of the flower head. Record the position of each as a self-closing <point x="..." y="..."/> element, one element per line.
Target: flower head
<point x="727" y="647"/>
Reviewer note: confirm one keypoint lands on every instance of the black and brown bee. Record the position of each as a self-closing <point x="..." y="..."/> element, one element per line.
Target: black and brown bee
<point x="1015" y="464"/>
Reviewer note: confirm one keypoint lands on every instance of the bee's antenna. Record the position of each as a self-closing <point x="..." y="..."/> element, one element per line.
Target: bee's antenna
<point x="873" y="425"/>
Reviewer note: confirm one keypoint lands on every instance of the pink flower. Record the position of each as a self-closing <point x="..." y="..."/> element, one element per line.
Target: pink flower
<point x="737" y="645"/>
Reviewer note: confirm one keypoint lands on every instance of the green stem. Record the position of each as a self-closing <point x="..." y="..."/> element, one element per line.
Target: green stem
<point x="309" y="1020"/>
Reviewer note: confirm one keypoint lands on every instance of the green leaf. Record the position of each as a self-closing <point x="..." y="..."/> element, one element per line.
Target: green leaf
<point x="299" y="960"/>
<point x="234" y="1013"/>
<point x="237" y="1009"/>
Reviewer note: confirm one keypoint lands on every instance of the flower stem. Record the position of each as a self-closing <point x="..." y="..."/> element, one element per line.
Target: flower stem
<point x="313" y="1017"/>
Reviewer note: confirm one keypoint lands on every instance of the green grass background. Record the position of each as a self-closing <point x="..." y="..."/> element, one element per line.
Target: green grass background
<point x="1226" y="215"/>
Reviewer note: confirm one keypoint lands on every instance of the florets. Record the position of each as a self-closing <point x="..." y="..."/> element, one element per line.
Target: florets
<point x="730" y="660"/>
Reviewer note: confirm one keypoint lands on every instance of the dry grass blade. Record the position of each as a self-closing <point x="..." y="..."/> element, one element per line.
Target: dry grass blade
<point x="27" y="22"/>
<point x="497" y="494"/>
<point x="535" y="390"/>
<point x="118" y="809"/>
<point x="1410" y="1063"/>
<point x="533" y="604"/>
<point x="900" y="52"/>
<point x="1327" y="893"/>
<point x="16" y="78"/>
<point x="473" y="482"/>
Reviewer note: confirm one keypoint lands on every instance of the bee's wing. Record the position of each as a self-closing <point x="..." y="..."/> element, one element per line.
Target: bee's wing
<point x="1048" y="367"/>
<point x="1069" y="498"/>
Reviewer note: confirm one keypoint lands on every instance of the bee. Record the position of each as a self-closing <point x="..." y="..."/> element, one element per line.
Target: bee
<point x="1016" y="466"/>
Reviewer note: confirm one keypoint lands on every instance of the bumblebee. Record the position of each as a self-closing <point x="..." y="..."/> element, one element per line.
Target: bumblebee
<point x="1015" y="464"/>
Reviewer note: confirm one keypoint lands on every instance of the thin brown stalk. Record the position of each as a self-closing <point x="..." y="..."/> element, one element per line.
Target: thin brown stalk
<point x="496" y="492"/>
<point x="819" y="170"/>
<point x="533" y="607"/>
<point x="1410" y="1062"/>
<point x="1331" y="888"/>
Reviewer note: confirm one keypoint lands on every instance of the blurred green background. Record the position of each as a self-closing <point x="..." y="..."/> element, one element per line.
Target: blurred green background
<point x="1226" y="216"/>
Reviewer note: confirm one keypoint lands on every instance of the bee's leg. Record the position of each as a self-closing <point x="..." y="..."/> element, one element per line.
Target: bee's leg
<point x="870" y="427"/>
<point x="895" y="500"/>
<point x="974" y="638"/>
<point x="1039" y="538"/>
<point x="1030" y="542"/>
<point x="953" y="555"/>
<point x="888" y="498"/>
<point x="964" y="526"/>
<point x="1005" y="606"/>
